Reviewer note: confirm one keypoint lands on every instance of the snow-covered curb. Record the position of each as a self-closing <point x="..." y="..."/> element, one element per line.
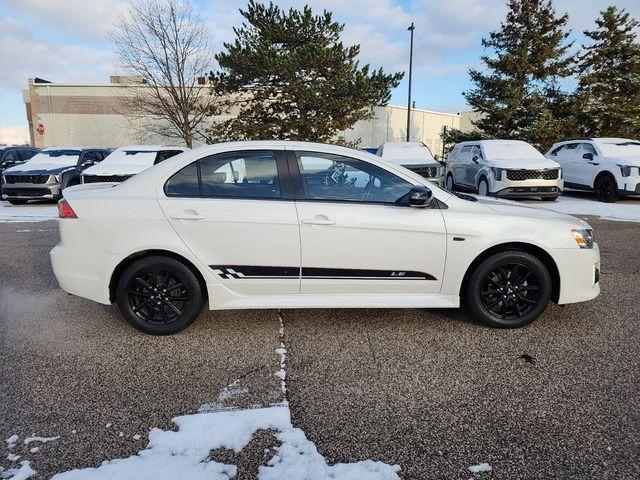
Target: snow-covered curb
<point x="626" y="211"/>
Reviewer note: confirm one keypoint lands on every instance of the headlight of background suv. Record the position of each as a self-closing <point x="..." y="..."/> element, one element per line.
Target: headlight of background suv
<point x="497" y="173"/>
<point x="583" y="236"/>
<point x="625" y="170"/>
<point x="57" y="178"/>
<point x="440" y="171"/>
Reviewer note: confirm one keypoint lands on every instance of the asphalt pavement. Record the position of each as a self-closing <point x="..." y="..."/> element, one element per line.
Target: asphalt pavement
<point x="429" y="390"/>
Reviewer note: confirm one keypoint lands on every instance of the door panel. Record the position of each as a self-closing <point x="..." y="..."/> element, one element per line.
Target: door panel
<point x="357" y="236"/>
<point x="461" y="174"/>
<point x="371" y="248"/>
<point x="251" y="244"/>
<point x="585" y="169"/>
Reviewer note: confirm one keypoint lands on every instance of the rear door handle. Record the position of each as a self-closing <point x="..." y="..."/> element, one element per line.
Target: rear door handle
<point x="319" y="220"/>
<point x="185" y="216"/>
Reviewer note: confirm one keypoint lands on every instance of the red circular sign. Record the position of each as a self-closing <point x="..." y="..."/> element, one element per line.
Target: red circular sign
<point x="41" y="129"/>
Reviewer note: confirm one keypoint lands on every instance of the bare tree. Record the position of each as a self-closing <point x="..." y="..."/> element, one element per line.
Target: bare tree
<point x="166" y="43"/>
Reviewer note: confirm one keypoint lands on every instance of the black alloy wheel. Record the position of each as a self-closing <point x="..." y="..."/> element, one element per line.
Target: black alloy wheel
<point x="509" y="289"/>
<point x="159" y="295"/>
<point x="606" y="189"/>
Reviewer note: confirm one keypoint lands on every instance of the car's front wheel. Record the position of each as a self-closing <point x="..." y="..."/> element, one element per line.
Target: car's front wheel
<point x="483" y="187"/>
<point x="449" y="183"/>
<point x="159" y="295"/>
<point x="606" y="189"/>
<point x="508" y="289"/>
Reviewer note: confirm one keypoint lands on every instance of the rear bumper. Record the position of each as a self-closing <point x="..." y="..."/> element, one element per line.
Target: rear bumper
<point x="579" y="271"/>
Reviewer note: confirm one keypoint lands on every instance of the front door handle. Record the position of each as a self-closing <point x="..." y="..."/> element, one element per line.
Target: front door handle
<point x="318" y="220"/>
<point x="186" y="216"/>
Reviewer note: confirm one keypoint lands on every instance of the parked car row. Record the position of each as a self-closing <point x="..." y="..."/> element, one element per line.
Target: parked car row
<point x="610" y="167"/>
<point x="31" y="174"/>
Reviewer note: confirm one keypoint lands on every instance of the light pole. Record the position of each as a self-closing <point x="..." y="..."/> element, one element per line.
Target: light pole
<point x="411" y="29"/>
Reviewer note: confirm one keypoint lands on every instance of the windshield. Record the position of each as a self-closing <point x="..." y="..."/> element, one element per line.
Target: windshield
<point x="56" y="157"/>
<point x="629" y="148"/>
<point x="507" y="151"/>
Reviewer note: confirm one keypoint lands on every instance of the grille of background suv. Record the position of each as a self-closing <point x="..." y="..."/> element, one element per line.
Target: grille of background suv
<point x="27" y="178"/>
<point x="104" y="178"/>
<point x="517" y="175"/>
<point x="426" y="172"/>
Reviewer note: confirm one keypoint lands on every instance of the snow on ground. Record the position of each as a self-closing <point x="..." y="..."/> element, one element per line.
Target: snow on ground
<point x="22" y="472"/>
<point x="624" y="211"/>
<point x="32" y="212"/>
<point x="481" y="467"/>
<point x="185" y="453"/>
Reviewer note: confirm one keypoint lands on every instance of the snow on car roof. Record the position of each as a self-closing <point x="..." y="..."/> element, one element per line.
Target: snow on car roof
<point x="407" y="153"/>
<point x="506" y="149"/>
<point x="151" y="148"/>
<point x="614" y="140"/>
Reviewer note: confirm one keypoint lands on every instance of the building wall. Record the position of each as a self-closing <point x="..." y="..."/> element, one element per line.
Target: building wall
<point x="389" y="124"/>
<point x="88" y="115"/>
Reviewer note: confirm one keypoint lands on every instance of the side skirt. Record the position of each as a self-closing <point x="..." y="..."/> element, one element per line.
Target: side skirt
<point x="221" y="298"/>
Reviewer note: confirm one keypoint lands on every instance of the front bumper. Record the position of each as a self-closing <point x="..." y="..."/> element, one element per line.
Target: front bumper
<point x="579" y="271"/>
<point x="31" y="191"/>
<point x="630" y="185"/>
<point x="519" y="192"/>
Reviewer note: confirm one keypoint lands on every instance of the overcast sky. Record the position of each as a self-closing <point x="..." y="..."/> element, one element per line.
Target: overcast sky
<point x="64" y="41"/>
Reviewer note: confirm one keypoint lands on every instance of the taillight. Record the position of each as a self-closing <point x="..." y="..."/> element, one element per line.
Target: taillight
<point x="65" y="210"/>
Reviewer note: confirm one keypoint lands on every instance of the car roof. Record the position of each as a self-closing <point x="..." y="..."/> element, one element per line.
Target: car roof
<point x="492" y="142"/>
<point x="152" y="148"/>
<point x="49" y="149"/>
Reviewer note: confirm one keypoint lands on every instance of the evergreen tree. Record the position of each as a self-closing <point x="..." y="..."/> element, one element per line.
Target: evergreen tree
<point x="288" y="76"/>
<point x="519" y="94"/>
<point x="609" y="78"/>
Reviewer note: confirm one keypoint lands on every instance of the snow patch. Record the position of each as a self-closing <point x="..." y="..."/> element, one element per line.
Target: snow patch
<point x="621" y="211"/>
<point x="32" y="439"/>
<point x="481" y="467"/>
<point x="27" y="213"/>
<point x="21" y="473"/>
<point x="12" y="440"/>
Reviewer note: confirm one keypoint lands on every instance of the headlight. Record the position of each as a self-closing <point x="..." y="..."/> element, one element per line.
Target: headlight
<point x="440" y="171"/>
<point x="559" y="173"/>
<point x="57" y="178"/>
<point x="583" y="236"/>
<point x="497" y="173"/>
<point x="625" y="170"/>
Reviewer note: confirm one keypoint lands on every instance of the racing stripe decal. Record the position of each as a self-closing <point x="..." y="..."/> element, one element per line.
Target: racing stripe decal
<point x="269" y="272"/>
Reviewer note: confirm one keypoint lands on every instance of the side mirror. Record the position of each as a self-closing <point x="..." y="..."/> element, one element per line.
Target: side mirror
<point x="475" y="159"/>
<point x="420" y="196"/>
<point x="588" y="156"/>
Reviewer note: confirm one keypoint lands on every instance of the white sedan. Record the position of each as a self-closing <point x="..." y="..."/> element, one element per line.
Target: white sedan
<point x="300" y="225"/>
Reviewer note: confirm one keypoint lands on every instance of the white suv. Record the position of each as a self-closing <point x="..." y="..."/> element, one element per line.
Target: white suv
<point x="503" y="168"/>
<point x="128" y="161"/>
<point x="301" y="225"/>
<point x="610" y="166"/>
<point x="415" y="156"/>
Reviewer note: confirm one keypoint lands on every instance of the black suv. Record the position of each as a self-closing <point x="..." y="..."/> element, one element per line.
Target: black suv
<point x="49" y="173"/>
<point x="10" y="156"/>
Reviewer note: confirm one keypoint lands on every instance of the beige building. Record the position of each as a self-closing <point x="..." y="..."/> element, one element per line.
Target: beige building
<point x="87" y="115"/>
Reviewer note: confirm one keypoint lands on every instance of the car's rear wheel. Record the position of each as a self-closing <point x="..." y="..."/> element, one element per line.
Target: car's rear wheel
<point x="508" y="289"/>
<point x="159" y="295"/>
<point x="606" y="189"/>
<point x="18" y="201"/>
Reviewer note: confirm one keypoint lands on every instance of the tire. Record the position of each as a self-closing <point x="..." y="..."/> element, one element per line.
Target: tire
<point x="549" y="199"/>
<point x="483" y="187"/>
<point x="606" y="189"/>
<point x="18" y="201"/>
<point x="150" y="310"/>
<point x="511" y="307"/>
<point x="450" y="185"/>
